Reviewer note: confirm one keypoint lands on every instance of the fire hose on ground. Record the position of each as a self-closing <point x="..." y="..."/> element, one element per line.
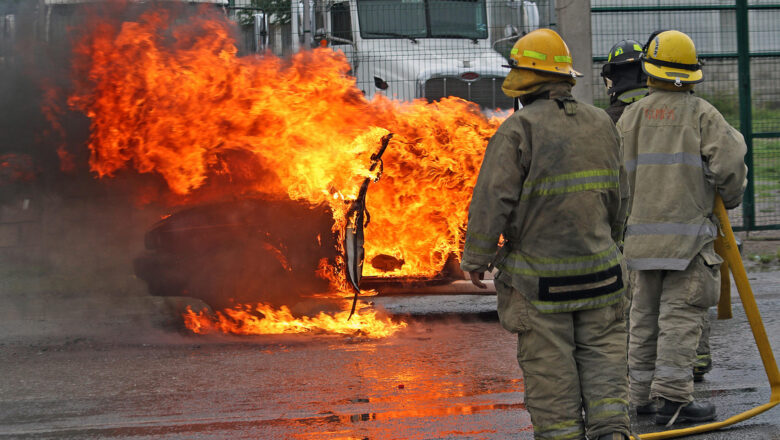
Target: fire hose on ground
<point x="726" y="246"/>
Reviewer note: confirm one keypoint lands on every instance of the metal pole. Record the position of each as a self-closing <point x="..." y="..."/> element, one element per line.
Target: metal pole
<point x="296" y="37"/>
<point x="574" y="27"/>
<point x="522" y="29"/>
<point x="307" y="28"/>
<point x="745" y="110"/>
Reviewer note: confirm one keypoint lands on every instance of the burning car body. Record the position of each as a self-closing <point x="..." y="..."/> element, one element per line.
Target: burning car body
<point x="248" y="250"/>
<point x="273" y="251"/>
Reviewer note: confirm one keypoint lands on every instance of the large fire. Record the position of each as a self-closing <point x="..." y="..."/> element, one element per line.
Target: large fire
<point x="173" y="98"/>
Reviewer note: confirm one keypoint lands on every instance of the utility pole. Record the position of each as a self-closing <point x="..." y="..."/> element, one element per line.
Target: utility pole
<point x="574" y="27"/>
<point x="307" y="27"/>
<point x="296" y="42"/>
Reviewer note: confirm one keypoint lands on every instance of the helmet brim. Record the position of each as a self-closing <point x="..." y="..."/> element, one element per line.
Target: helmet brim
<point x="626" y="61"/>
<point x="671" y="74"/>
<point x="571" y="73"/>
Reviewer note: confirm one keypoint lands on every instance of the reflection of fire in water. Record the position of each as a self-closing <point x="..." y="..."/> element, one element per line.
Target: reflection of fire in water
<point x="172" y="98"/>
<point x="262" y="319"/>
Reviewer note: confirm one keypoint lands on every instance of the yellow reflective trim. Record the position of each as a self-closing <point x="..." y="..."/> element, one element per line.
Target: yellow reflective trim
<point x="562" y="59"/>
<point x="638" y="48"/>
<point x="534" y="54"/>
<point x="478" y="250"/>
<point x="483" y="237"/>
<point x="514" y="51"/>
<point x="571" y="436"/>
<point x="570" y="189"/>
<point x="560" y="431"/>
<point x="607" y="401"/>
<point x="608" y="415"/>
<point x="559" y="425"/>
<point x="575" y="175"/>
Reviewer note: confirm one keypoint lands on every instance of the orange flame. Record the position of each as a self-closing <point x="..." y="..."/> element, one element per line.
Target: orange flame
<point x="174" y="99"/>
<point x="262" y="319"/>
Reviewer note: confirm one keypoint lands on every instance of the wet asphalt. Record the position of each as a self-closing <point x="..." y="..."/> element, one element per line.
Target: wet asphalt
<point x="451" y="374"/>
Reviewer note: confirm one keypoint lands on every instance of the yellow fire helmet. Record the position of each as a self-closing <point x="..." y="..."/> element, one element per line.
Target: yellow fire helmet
<point x="670" y="56"/>
<point x="542" y="50"/>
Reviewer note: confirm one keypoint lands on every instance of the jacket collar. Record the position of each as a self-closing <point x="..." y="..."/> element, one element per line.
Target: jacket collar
<point x="651" y="89"/>
<point x="548" y="91"/>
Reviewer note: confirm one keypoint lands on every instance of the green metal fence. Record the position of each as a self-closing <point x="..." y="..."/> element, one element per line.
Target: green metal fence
<point x="740" y="44"/>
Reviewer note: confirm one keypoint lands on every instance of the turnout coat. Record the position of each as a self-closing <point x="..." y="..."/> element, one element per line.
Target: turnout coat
<point x="679" y="151"/>
<point x="553" y="184"/>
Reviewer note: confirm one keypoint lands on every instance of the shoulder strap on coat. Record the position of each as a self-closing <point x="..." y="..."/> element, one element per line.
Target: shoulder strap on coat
<point x="568" y="104"/>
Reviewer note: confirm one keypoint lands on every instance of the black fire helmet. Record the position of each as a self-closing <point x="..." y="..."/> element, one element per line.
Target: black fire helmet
<point x="623" y="70"/>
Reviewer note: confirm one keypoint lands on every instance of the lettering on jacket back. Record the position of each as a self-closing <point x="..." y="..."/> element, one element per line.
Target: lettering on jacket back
<point x="659" y="114"/>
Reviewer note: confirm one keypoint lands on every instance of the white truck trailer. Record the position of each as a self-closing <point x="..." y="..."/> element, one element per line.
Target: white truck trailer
<point x="407" y="49"/>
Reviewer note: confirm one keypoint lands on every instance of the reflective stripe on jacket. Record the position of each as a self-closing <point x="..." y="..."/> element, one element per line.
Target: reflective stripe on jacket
<point x="678" y="150"/>
<point x="553" y="184"/>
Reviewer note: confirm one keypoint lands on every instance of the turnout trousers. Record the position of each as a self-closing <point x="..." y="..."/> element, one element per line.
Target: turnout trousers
<point x="704" y="341"/>
<point x="572" y="361"/>
<point x="667" y="314"/>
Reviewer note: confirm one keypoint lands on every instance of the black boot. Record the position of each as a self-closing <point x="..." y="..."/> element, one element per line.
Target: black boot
<point x="647" y="408"/>
<point x="613" y="436"/>
<point x="670" y="412"/>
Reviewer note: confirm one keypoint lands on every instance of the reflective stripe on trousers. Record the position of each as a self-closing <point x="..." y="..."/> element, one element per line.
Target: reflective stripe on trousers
<point x="607" y="408"/>
<point x="571" y="429"/>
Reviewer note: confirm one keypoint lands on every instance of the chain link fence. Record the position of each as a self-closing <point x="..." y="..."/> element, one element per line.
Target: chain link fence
<point x="741" y="78"/>
<point x="429" y="49"/>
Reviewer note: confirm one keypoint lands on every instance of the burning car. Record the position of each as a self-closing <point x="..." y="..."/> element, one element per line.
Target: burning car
<point x="254" y="250"/>
<point x="274" y="251"/>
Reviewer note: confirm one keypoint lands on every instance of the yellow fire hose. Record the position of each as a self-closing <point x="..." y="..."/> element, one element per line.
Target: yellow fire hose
<point x="726" y="246"/>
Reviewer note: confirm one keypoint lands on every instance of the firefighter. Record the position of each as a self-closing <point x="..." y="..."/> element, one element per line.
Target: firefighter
<point x="679" y="153"/>
<point x="552" y="183"/>
<point x="626" y="83"/>
<point x="623" y="76"/>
